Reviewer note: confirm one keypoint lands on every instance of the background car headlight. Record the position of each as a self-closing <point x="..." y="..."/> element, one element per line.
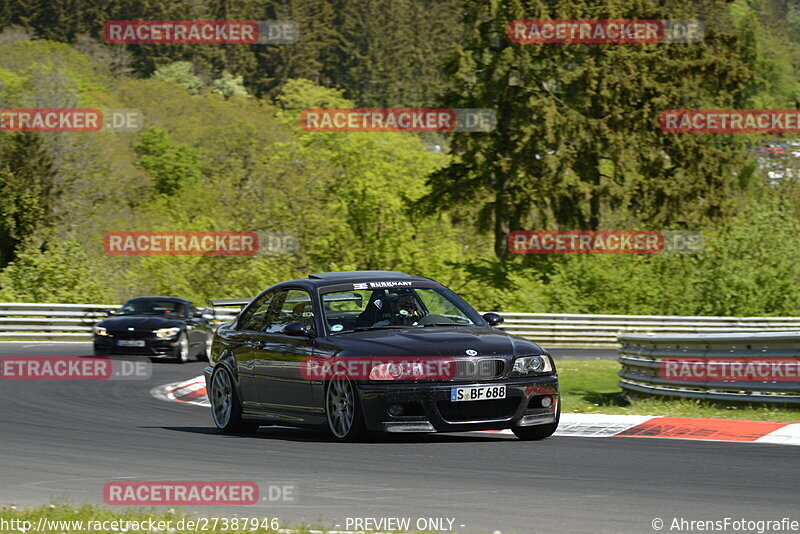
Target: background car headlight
<point x="100" y="331"/>
<point x="533" y="365"/>
<point x="167" y="332"/>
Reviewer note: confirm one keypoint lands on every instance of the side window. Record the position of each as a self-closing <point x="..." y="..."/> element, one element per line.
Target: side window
<point x="255" y="317"/>
<point x="437" y="304"/>
<point x="290" y="305"/>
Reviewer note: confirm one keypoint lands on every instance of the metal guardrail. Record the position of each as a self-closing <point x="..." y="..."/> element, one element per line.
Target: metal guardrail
<point x="645" y="360"/>
<point x="64" y="322"/>
<point x="576" y="330"/>
<point x="37" y="322"/>
<point x="73" y="322"/>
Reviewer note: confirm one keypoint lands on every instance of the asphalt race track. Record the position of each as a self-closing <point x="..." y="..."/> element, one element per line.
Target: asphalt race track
<point x="63" y="440"/>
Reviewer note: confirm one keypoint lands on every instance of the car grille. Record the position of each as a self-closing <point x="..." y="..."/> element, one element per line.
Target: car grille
<point x="479" y="369"/>
<point x="126" y="334"/>
<point x="477" y="410"/>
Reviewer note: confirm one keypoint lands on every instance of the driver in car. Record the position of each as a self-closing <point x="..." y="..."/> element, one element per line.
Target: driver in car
<point x="400" y="309"/>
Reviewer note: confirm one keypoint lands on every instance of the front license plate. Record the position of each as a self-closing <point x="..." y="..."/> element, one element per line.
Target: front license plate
<point x="130" y="342"/>
<point x="477" y="393"/>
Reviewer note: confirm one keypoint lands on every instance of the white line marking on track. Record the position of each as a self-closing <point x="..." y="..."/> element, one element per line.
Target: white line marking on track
<point x="788" y="435"/>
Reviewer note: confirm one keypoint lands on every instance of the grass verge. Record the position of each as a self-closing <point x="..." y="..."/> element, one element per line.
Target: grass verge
<point x="590" y="386"/>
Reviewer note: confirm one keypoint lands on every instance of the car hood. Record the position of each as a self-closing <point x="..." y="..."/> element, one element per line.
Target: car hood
<point x="435" y="341"/>
<point x="139" y="322"/>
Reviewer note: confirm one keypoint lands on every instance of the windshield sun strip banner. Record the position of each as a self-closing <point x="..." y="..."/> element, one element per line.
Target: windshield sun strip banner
<point x="379" y="284"/>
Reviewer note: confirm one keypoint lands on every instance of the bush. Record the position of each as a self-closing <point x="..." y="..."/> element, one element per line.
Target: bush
<point x="56" y="271"/>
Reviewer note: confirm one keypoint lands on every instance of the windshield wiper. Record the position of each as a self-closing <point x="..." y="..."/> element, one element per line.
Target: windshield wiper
<point x="445" y="324"/>
<point x="363" y="328"/>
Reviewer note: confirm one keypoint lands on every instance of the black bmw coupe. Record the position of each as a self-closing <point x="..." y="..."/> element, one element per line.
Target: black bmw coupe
<point x="362" y="351"/>
<point x="158" y="327"/>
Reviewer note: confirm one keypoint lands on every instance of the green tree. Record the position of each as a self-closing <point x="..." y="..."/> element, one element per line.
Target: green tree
<point x="351" y="193"/>
<point x="229" y="86"/>
<point x="577" y="143"/>
<point x="29" y="191"/>
<point x="172" y="165"/>
<point x="309" y="58"/>
<point x="20" y="212"/>
<point x="392" y="53"/>
<point x="182" y="73"/>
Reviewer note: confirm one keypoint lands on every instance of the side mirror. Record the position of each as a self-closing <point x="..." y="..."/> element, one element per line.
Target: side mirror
<point x="494" y="319"/>
<point x="298" y="329"/>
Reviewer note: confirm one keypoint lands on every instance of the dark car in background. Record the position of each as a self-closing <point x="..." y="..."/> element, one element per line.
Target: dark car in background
<point x="158" y="327"/>
<point x="381" y="351"/>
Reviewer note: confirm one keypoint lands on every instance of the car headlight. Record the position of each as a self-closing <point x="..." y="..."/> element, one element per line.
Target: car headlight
<point x="533" y="365"/>
<point x="100" y="331"/>
<point x="167" y="332"/>
<point x="397" y="371"/>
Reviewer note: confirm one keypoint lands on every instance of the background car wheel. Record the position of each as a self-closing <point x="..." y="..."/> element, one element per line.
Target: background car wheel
<point x="535" y="433"/>
<point x="226" y="410"/>
<point x="343" y="410"/>
<point x="182" y="349"/>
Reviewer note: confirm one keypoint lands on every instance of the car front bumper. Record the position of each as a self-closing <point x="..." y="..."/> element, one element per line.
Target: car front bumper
<point x="154" y="347"/>
<point x="428" y="408"/>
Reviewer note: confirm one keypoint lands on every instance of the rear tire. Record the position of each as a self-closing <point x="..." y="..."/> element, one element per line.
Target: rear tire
<point x="538" y="432"/>
<point x="343" y="411"/>
<point x="226" y="410"/>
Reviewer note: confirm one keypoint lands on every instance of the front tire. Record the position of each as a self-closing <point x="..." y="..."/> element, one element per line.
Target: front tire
<point x="182" y="350"/>
<point x="226" y="410"/>
<point x="205" y="354"/>
<point x="343" y="411"/>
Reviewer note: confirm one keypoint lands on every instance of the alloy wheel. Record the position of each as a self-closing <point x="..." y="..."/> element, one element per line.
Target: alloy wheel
<point x="221" y="398"/>
<point x="340" y="404"/>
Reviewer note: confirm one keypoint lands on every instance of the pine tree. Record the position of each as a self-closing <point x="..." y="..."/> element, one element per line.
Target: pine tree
<point x="392" y="51"/>
<point x="307" y="58"/>
<point x="27" y="192"/>
<point x="577" y="143"/>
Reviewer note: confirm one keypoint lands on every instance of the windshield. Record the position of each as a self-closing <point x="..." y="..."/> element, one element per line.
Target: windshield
<point x="347" y="311"/>
<point x="152" y="307"/>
